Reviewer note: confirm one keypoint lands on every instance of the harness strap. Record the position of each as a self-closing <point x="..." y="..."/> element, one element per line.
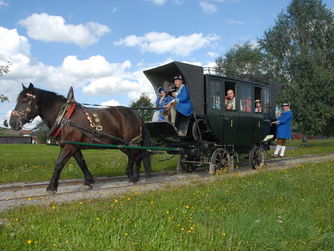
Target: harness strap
<point x="96" y="135"/>
<point x="67" y="113"/>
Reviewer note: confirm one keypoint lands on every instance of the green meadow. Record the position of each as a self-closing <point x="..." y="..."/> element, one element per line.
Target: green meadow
<point x="36" y="162"/>
<point x="271" y="210"/>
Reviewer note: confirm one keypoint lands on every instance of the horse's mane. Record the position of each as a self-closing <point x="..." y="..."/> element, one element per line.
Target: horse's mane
<point x="44" y="97"/>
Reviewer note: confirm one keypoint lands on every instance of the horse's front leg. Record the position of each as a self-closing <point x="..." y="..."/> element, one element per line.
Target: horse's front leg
<point x="64" y="155"/>
<point x="89" y="180"/>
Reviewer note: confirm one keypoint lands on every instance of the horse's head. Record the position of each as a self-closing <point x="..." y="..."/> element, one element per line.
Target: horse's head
<point x="26" y="108"/>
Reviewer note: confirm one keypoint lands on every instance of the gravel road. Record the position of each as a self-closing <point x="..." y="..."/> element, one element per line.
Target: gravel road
<point x="18" y="194"/>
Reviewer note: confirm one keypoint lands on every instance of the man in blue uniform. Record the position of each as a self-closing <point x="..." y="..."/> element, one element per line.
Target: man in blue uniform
<point x="283" y="130"/>
<point x="181" y="102"/>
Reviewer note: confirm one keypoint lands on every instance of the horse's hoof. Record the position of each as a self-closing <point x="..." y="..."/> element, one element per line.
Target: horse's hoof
<point x="86" y="187"/>
<point x="91" y="181"/>
<point x="51" y="192"/>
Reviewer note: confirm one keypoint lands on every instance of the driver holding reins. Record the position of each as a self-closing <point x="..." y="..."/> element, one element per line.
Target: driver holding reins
<point x="181" y="101"/>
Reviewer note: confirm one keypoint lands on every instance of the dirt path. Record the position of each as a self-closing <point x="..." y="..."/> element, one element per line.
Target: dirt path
<point x="18" y="194"/>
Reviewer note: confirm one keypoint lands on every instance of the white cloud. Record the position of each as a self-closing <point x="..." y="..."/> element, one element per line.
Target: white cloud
<point x="158" y="2"/>
<point x="12" y="44"/>
<point x="111" y="102"/>
<point x="110" y="86"/>
<point x="3" y="3"/>
<point x="213" y="54"/>
<point x="232" y="21"/>
<point x="207" y="7"/>
<point x="162" y="42"/>
<point x="49" y="28"/>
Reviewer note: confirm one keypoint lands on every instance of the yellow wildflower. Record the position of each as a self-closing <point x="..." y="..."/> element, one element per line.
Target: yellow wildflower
<point x="29" y="241"/>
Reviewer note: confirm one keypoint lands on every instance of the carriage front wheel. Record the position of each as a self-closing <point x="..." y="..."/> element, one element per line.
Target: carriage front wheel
<point x="256" y="157"/>
<point x="221" y="160"/>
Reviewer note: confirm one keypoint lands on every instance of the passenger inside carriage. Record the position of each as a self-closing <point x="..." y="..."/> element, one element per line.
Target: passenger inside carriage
<point x="258" y="106"/>
<point x="230" y="100"/>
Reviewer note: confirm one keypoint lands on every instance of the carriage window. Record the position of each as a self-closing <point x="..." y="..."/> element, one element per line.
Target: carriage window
<point x="230" y="95"/>
<point x="266" y="101"/>
<point x="215" y="86"/>
<point x="257" y="100"/>
<point x="245" y="98"/>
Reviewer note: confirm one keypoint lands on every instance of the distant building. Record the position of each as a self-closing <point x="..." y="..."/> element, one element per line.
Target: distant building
<point x="15" y="139"/>
<point x="9" y="136"/>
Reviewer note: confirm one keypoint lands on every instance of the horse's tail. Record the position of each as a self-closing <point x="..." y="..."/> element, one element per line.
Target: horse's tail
<point x="147" y="155"/>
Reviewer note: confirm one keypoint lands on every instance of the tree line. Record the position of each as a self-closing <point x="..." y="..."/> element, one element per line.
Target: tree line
<point x="298" y="52"/>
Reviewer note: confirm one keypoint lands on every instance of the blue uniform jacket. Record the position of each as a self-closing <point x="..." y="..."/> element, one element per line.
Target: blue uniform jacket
<point x="284" y="125"/>
<point x="182" y="100"/>
<point x="161" y="105"/>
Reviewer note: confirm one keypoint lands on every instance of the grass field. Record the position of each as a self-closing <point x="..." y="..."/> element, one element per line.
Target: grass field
<point x="277" y="210"/>
<point x="36" y="162"/>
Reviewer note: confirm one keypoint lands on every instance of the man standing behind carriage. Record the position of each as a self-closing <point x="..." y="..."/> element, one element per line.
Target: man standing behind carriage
<point x="181" y="102"/>
<point x="283" y="130"/>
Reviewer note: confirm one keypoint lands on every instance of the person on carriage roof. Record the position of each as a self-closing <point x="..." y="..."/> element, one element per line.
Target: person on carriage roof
<point x="182" y="101"/>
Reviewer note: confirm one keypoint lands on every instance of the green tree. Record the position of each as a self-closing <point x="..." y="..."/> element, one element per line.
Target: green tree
<point x="299" y="52"/>
<point x="41" y="130"/>
<point x="245" y="59"/>
<point x="4" y="69"/>
<point x="143" y="107"/>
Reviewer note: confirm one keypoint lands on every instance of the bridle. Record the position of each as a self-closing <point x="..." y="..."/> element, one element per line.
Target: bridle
<point x="23" y="115"/>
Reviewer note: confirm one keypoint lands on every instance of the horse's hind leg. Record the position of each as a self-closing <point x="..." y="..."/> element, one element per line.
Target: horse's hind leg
<point x="64" y="155"/>
<point x="89" y="180"/>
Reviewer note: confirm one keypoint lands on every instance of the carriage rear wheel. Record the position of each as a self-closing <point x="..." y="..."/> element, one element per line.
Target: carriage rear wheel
<point x="221" y="160"/>
<point x="256" y="157"/>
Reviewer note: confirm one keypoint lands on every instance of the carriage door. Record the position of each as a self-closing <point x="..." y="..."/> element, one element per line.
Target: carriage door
<point x="214" y="106"/>
<point x="258" y="116"/>
<point x="245" y="120"/>
<point x="230" y="118"/>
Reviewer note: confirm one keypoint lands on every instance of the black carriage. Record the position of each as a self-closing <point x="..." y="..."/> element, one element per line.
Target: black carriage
<point x="214" y="135"/>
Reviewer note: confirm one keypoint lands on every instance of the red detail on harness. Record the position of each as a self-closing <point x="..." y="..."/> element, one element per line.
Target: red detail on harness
<point x="68" y="115"/>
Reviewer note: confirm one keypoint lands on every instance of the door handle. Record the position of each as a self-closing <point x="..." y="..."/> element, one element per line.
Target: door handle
<point x="231" y="122"/>
<point x="259" y="124"/>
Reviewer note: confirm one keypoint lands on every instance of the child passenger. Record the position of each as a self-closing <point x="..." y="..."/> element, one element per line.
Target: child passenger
<point x="162" y="101"/>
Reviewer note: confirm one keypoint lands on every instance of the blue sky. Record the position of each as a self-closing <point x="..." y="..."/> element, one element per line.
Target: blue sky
<point x="101" y="47"/>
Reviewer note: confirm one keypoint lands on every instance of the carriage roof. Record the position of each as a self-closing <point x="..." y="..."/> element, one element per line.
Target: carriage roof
<point x="195" y="77"/>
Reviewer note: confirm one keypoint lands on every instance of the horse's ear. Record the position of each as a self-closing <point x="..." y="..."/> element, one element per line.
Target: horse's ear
<point x="24" y="88"/>
<point x="31" y="86"/>
<point x="70" y="95"/>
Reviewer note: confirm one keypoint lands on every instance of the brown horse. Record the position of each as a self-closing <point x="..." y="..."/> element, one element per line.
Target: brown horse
<point x="120" y="122"/>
